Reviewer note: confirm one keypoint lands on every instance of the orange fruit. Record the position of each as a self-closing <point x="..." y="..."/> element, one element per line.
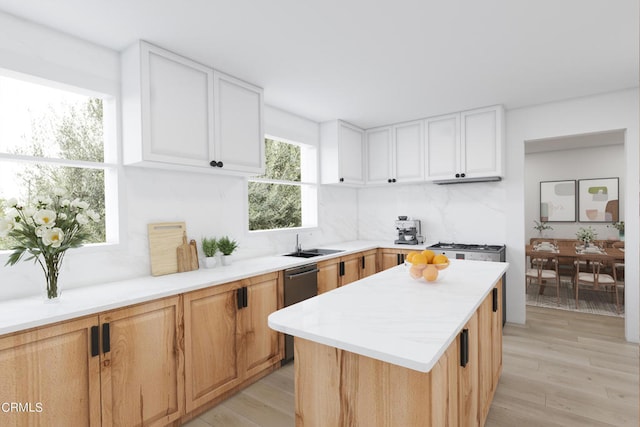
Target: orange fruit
<point x="410" y="256"/>
<point x="429" y="254"/>
<point x="416" y="271"/>
<point x="430" y="273"/>
<point x="419" y="258"/>
<point x="440" y="259"/>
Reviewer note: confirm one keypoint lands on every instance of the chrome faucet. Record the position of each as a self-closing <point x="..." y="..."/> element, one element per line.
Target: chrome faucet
<point x="298" y="245"/>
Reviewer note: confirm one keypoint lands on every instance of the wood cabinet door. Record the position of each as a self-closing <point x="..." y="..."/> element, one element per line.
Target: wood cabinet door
<point x="143" y="371"/>
<point x="379" y="159"/>
<point x="328" y="275"/>
<point x="177" y="108"/>
<point x="408" y="153"/>
<point x="496" y="337"/>
<point x="261" y="346"/>
<point x="391" y="258"/>
<point x="239" y="136"/>
<point x="443" y="146"/>
<point x="485" y="364"/>
<point x="351" y="266"/>
<point x="369" y="263"/>
<point x="51" y="372"/>
<point x="211" y="343"/>
<point x="468" y="379"/>
<point x="481" y="137"/>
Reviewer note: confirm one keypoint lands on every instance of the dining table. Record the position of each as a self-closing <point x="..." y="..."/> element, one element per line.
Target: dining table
<point x="568" y="255"/>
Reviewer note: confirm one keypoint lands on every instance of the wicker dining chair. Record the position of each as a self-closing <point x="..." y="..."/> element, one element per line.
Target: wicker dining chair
<point x="544" y="269"/>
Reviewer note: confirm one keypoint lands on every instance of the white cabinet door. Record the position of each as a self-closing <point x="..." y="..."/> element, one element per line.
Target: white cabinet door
<point x="350" y="154"/>
<point x="482" y="147"/>
<point x="379" y="157"/>
<point x="167" y="107"/>
<point x="408" y="152"/>
<point x="443" y="146"/>
<point x="239" y="136"/>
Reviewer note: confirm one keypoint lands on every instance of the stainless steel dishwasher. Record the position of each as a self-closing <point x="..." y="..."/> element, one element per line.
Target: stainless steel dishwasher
<point x="300" y="283"/>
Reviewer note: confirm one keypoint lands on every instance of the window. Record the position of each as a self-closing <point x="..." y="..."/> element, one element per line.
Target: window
<point x="286" y="195"/>
<point x="55" y="137"/>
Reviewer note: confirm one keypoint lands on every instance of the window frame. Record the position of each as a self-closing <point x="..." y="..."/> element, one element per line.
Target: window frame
<point x="111" y="166"/>
<point x="309" y="188"/>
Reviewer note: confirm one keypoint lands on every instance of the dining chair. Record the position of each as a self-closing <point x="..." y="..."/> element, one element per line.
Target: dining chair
<point x="544" y="267"/>
<point x="619" y="265"/>
<point x="595" y="278"/>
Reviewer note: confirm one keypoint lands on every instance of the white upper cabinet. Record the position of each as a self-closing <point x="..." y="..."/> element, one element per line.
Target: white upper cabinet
<point x="341" y="153"/>
<point x="239" y="136"/>
<point x="465" y="146"/>
<point x="180" y="114"/>
<point x="395" y="153"/>
<point x="379" y="161"/>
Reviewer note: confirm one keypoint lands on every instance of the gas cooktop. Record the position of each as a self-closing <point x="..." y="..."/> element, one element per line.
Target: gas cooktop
<point x="467" y="247"/>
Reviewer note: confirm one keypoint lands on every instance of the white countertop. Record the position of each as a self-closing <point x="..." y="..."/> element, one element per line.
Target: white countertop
<point x="391" y="317"/>
<point x="25" y="313"/>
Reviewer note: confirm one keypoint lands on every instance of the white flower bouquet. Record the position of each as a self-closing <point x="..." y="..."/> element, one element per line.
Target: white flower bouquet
<point x="45" y="231"/>
<point x="586" y="235"/>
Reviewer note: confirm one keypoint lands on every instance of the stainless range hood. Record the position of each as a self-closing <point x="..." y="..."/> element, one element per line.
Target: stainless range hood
<point x="465" y="180"/>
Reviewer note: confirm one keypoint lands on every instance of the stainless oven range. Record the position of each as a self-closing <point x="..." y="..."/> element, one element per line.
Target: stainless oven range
<point x="496" y="253"/>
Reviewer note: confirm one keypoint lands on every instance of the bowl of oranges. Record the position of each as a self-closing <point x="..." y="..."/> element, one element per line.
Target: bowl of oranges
<point x="427" y="265"/>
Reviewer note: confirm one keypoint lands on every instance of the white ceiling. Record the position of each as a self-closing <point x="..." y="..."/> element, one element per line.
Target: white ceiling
<point x="378" y="62"/>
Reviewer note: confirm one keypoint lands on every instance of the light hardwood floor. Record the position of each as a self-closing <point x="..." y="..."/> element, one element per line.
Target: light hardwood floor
<point x="561" y="369"/>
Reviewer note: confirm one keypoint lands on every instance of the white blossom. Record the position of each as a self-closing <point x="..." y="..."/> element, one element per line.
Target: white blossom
<point x="95" y="217"/>
<point x="40" y="230"/>
<point x="29" y="211"/>
<point x="80" y="204"/>
<point x="12" y="213"/>
<point x="82" y="219"/>
<point x="44" y="200"/>
<point x="6" y="225"/>
<point x="53" y="237"/>
<point x="62" y="216"/>
<point x="13" y="202"/>
<point x="45" y="217"/>
<point x="65" y="202"/>
<point x="59" y="191"/>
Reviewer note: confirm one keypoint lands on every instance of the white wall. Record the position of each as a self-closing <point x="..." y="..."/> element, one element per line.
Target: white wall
<point x="574" y="164"/>
<point x="210" y="204"/>
<point x="606" y="112"/>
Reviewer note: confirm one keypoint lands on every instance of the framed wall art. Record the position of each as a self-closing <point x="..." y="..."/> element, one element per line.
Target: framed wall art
<point x="598" y="200"/>
<point x="558" y="201"/>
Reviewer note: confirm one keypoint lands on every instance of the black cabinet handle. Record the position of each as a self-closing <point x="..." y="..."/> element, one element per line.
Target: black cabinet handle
<point x="95" y="341"/>
<point x="464" y="347"/>
<point x="106" y="338"/>
<point x="401" y="258"/>
<point x="240" y="296"/>
<point x="215" y="164"/>
<point x="341" y="268"/>
<point x="457" y="175"/>
<point x="389" y="180"/>
<point x="495" y="300"/>
<point x="393" y="180"/>
<point x="363" y="263"/>
<point x="341" y="179"/>
<point x="462" y="175"/>
<point x="245" y="297"/>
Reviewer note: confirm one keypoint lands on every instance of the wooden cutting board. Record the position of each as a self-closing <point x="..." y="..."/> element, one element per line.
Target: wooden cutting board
<point x="164" y="240"/>
<point x="187" y="255"/>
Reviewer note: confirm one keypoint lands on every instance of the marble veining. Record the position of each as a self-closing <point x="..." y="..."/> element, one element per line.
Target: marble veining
<point x="391" y="317"/>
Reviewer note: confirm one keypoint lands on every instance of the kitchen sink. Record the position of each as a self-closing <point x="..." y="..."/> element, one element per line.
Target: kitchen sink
<point x="310" y="253"/>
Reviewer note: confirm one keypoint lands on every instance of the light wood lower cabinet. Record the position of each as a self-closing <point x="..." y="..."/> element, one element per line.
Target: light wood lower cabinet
<point x="490" y="349"/>
<point x="341" y="271"/>
<point x="120" y="368"/>
<point x="142" y="373"/>
<point x="35" y="371"/>
<point x="227" y="339"/>
<point x="392" y="257"/>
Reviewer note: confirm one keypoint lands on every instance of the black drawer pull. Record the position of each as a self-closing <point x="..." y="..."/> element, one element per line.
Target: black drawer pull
<point x="106" y="338"/>
<point x="341" y="268"/>
<point x="240" y="297"/>
<point x="245" y="297"/>
<point x="464" y="348"/>
<point x="495" y="300"/>
<point x="95" y="341"/>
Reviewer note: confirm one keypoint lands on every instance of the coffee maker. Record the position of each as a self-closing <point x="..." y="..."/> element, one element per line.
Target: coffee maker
<point x="408" y="231"/>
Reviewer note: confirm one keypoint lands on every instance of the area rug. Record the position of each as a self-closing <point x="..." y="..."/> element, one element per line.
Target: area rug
<point x="595" y="302"/>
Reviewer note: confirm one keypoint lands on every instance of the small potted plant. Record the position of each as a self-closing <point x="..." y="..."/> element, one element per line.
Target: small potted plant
<point x="542" y="227"/>
<point x="209" y="249"/>
<point x="618" y="226"/>
<point x="226" y="246"/>
<point x="586" y="235"/>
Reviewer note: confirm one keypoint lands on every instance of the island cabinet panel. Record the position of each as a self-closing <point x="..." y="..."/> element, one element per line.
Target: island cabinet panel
<point x="468" y="395"/>
<point x="227" y="338"/>
<point x="337" y="387"/>
<point x="142" y="375"/>
<point x="490" y="348"/>
<point x="36" y="368"/>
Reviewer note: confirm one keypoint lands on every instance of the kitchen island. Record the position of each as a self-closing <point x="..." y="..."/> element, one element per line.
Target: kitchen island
<point x="391" y="350"/>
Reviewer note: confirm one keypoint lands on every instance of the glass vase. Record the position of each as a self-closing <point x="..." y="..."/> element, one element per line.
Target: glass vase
<point x="52" y="287"/>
